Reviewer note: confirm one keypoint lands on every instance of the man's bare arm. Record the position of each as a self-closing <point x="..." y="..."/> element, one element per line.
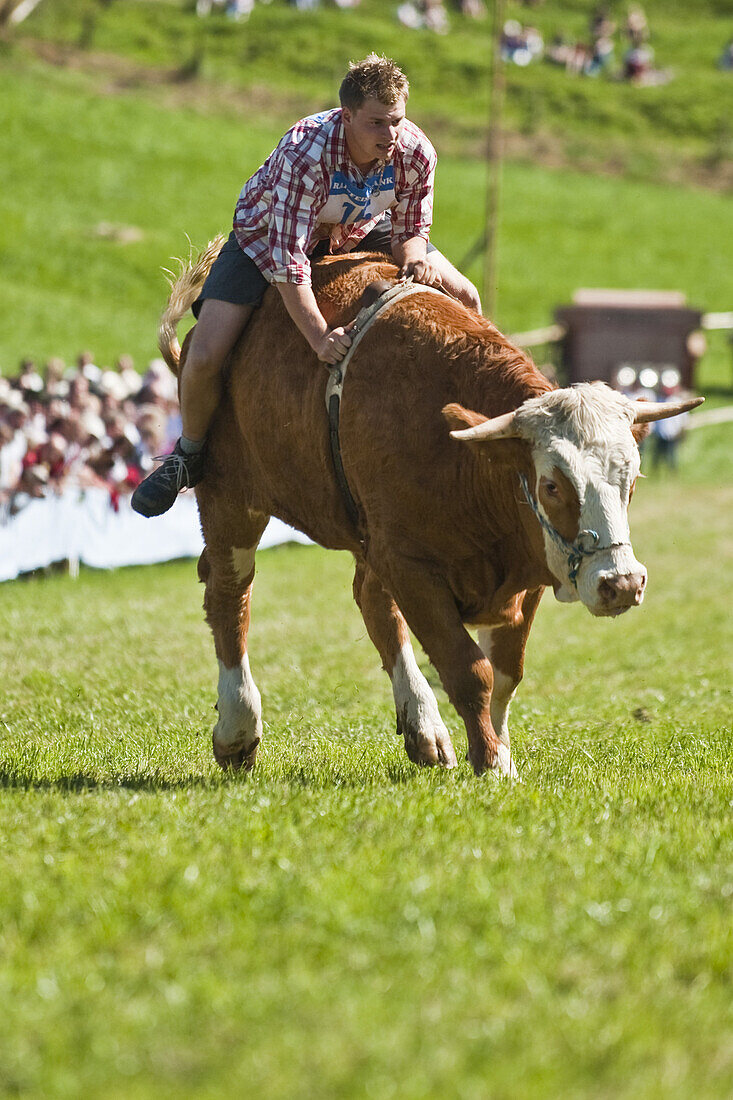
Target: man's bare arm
<point x="412" y="259"/>
<point x="330" y="345"/>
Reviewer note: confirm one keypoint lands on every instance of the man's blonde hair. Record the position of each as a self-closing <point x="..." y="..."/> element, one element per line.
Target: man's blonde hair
<point x="373" y="78"/>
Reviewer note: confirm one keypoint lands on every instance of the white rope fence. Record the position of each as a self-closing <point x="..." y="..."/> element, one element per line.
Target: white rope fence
<point x="83" y="527"/>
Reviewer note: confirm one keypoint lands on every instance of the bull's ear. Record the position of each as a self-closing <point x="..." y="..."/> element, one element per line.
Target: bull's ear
<point x="640" y="432"/>
<point x="459" y="418"/>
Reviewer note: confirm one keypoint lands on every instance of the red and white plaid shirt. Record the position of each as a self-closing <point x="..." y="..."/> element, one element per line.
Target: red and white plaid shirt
<point x="309" y="189"/>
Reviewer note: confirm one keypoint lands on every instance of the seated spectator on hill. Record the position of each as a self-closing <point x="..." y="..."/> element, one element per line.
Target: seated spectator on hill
<point x="534" y="42"/>
<point x="601" y="24"/>
<point x="29" y="380"/>
<point x="52" y="455"/>
<point x="472" y="9"/>
<point x="240" y="10"/>
<point x="31" y="486"/>
<point x="154" y="437"/>
<point x="520" y="45"/>
<point x="637" y="63"/>
<point x="559" y="50"/>
<point x="13" y="414"/>
<point x="725" y="61"/>
<point x="429" y="15"/>
<point x="575" y="57"/>
<point x="86" y="367"/>
<point x="636" y="27"/>
<point x="126" y="370"/>
<point x="602" y="29"/>
<point x="78" y="394"/>
<point x="602" y="56"/>
<point x="639" y="68"/>
<point x="10" y="469"/>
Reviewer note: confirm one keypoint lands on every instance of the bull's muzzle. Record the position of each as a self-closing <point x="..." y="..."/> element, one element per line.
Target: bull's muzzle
<point x="618" y="592"/>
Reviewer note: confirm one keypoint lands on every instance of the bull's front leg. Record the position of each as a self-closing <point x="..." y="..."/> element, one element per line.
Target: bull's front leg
<point x="228" y="578"/>
<point x="504" y="646"/>
<point x="427" y="741"/>
<point x="467" y="676"/>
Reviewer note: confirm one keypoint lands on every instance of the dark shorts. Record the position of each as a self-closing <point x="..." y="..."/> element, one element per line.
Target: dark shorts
<point x="236" y="278"/>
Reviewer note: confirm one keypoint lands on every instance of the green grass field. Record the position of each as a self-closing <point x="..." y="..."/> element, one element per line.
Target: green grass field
<point x="340" y="923"/>
<point x="281" y="54"/>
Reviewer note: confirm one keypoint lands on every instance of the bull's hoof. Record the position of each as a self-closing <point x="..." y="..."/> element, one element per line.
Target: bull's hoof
<point x="430" y="749"/>
<point x="499" y="765"/>
<point x="234" y="758"/>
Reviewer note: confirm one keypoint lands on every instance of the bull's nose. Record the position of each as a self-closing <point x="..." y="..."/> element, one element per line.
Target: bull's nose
<point x="626" y="590"/>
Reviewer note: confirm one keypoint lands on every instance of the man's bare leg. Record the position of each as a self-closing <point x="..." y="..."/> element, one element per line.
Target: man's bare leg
<point x="219" y="326"/>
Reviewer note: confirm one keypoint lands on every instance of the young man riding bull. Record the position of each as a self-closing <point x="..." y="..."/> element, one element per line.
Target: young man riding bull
<point x="359" y="176"/>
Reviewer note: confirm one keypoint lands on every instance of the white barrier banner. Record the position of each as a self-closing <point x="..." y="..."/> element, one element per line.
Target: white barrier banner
<point x="82" y="525"/>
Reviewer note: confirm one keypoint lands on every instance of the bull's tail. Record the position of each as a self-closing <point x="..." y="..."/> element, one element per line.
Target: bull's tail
<point x="185" y="289"/>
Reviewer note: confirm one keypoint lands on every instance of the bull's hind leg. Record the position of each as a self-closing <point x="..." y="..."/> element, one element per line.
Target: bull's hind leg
<point x="227" y="567"/>
<point x="427" y="741"/>
<point x="504" y="646"/>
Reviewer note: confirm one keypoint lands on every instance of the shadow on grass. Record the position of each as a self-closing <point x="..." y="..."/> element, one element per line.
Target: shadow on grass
<point x="12" y="779"/>
<point x="333" y="777"/>
<point x="315" y="775"/>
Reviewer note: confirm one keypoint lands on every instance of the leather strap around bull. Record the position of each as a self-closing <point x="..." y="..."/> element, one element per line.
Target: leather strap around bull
<point x="337" y="375"/>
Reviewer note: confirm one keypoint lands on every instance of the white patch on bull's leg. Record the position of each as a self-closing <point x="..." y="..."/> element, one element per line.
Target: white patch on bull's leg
<point x="243" y="561"/>
<point x="504" y="766"/>
<point x="239" y="728"/>
<point x="502" y="694"/>
<point x="427" y="741"/>
<point x="501" y="698"/>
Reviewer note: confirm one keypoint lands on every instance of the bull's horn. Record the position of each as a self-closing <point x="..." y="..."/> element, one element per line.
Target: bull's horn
<point x="499" y="427"/>
<point x="646" y="411"/>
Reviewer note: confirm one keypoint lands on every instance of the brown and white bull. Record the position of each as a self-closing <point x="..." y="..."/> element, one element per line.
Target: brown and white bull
<point x="457" y="528"/>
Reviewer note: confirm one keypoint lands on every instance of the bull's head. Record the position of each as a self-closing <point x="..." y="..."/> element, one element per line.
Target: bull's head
<point x="583" y="442"/>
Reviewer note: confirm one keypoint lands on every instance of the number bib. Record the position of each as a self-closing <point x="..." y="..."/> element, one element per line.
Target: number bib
<point x="351" y="200"/>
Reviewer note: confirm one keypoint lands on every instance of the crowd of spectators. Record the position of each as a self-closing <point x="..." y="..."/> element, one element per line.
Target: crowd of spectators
<point x="82" y="427"/>
<point x="240" y="10"/>
<point x="522" y="45"/>
<point x="432" y="15"/>
<point x="595" y="54"/>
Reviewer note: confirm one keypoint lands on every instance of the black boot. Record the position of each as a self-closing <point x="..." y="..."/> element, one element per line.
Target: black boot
<point x="157" y="493"/>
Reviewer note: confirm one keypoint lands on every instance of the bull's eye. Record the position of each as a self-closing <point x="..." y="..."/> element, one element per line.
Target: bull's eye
<point x="550" y="488"/>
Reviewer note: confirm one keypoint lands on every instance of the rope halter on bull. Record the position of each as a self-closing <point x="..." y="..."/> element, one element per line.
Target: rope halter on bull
<point x="574" y="551"/>
<point x="337" y="375"/>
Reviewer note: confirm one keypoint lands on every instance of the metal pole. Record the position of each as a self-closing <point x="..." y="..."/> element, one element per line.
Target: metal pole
<point x="494" y="150"/>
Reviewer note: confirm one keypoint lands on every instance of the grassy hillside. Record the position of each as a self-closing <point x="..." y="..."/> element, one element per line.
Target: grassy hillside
<point x="76" y="161"/>
<point x="282" y="54"/>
